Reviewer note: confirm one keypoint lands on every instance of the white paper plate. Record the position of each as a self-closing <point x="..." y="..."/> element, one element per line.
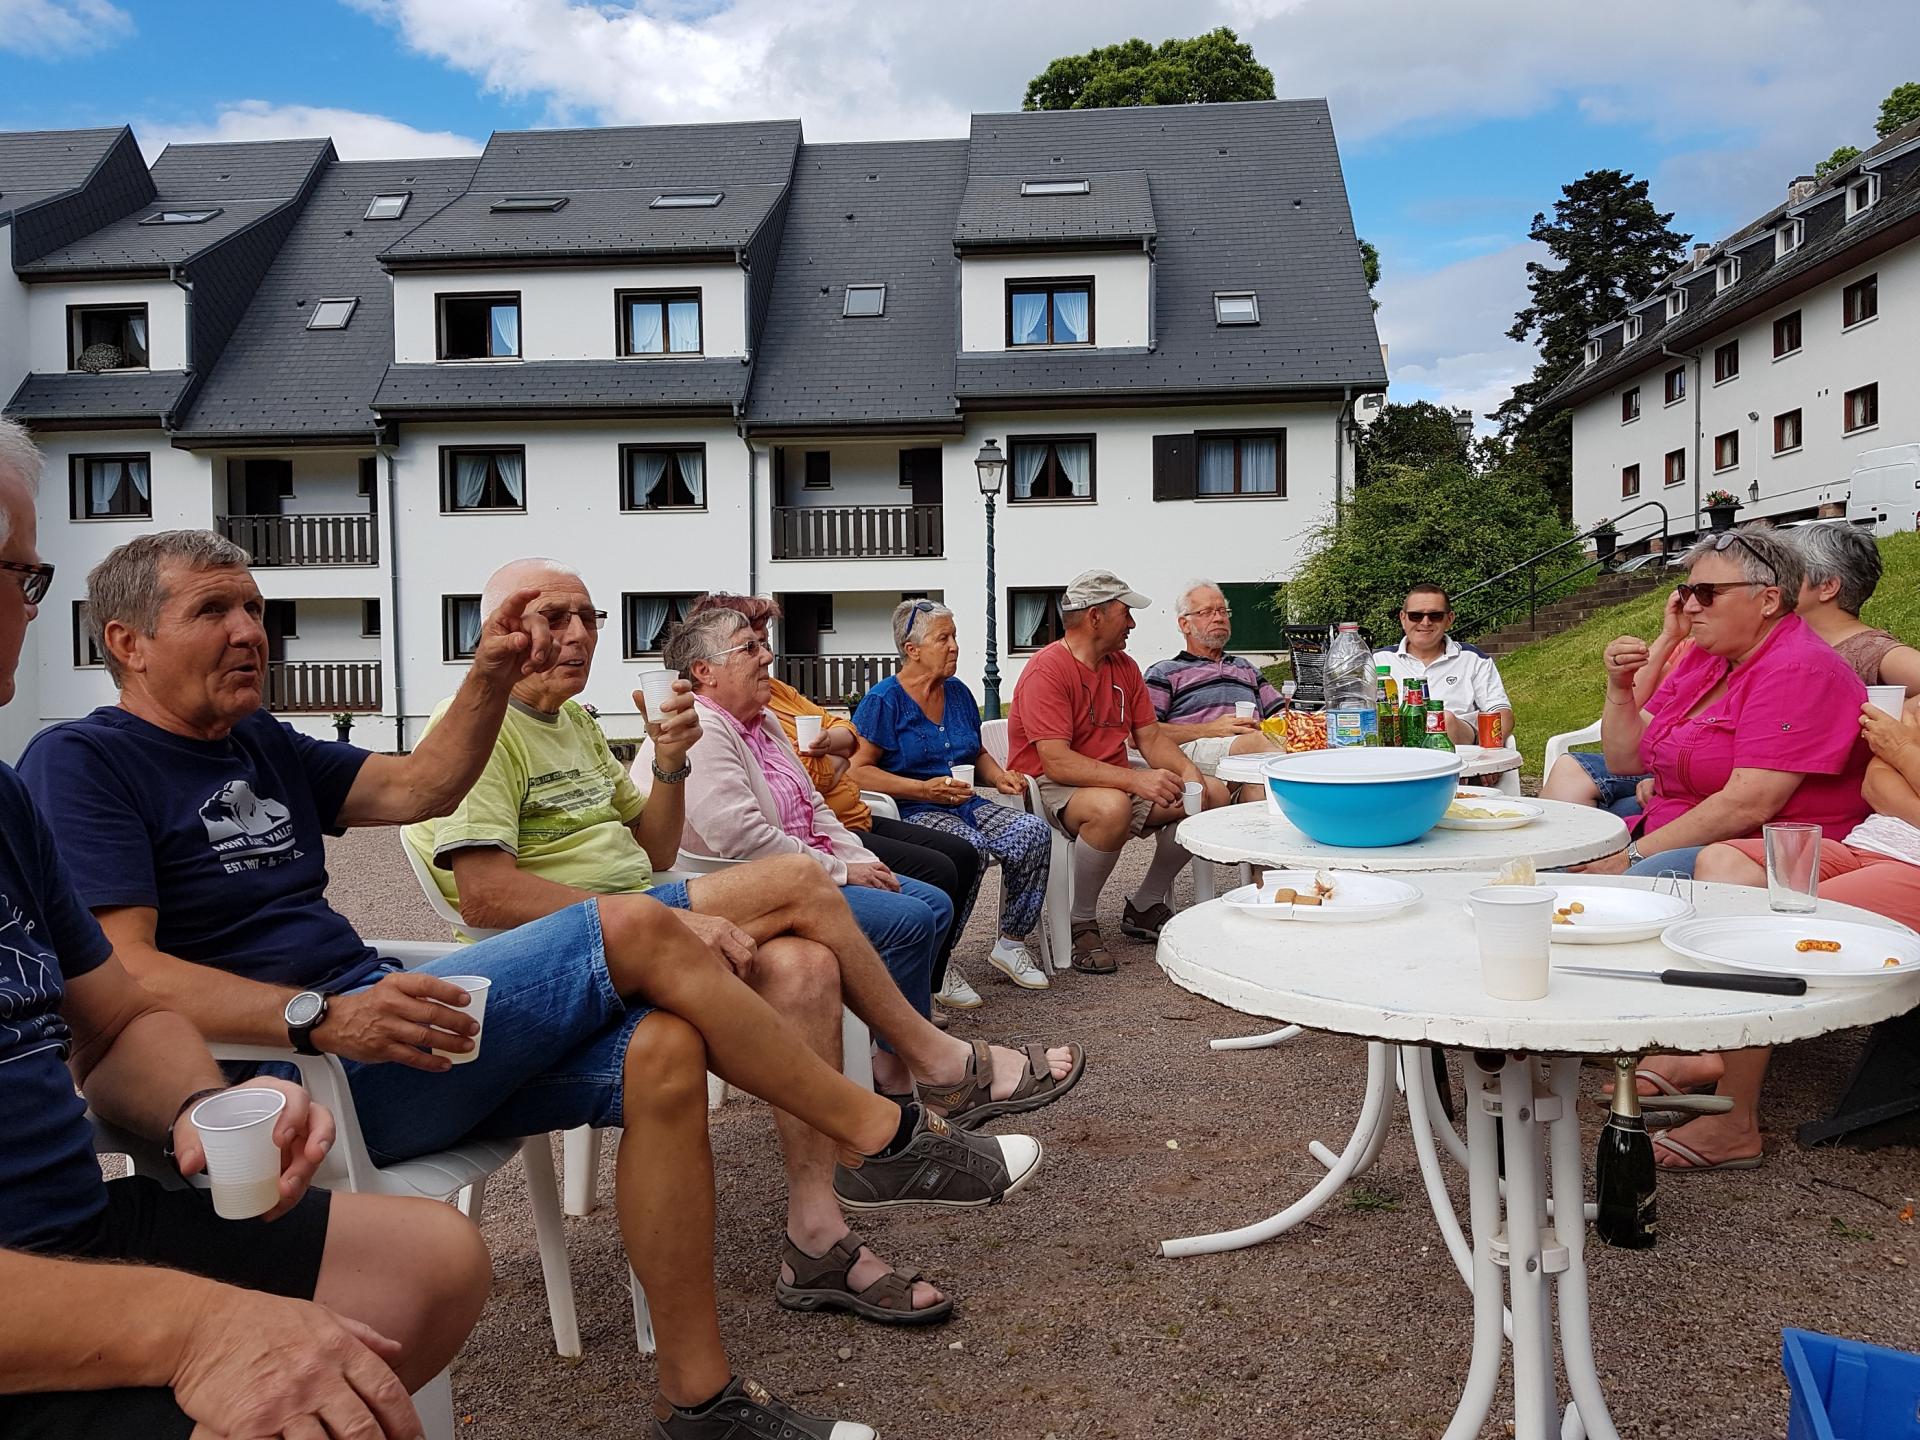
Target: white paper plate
<point x="1475" y="758"/>
<point x="1532" y="812"/>
<point x="1615" y="915"/>
<point x="1764" y="945"/>
<point x="1485" y="792"/>
<point x="1356" y="896"/>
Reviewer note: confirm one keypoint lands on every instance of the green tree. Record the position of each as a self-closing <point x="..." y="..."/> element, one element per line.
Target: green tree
<point x="1901" y="107"/>
<point x="1207" y="69"/>
<point x="1838" y="160"/>
<point x="1612" y="246"/>
<point x="1370" y="262"/>
<point x="1441" y="523"/>
<point x="1420" y="434"/>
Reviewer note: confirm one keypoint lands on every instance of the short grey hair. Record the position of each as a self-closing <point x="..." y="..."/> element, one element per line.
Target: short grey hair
<point x="498" y="588"/>
<point x="908" y="616"/>
<point x="1180" y="607"/>
<point x="1843" y="552"/>
<point x="126" y="585"/>
<point x="701" y="638"/>
<point x="20" y="460"/>
<point x="1757" y="549"/>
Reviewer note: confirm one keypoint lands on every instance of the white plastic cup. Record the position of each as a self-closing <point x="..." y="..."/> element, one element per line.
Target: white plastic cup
<point x="656" y="688"/>
<point x="476" y="987"/>
<point x="806" y="732"/>
<point x="1514" y="924"/>
<point x="1889" y="698"/>
<point x="236" y="1131"/>
<point x="1243" y="709"/>
<point x="1793" y="867"/>
<point x="1193" y="797"/>
<point x="964" y="774"/>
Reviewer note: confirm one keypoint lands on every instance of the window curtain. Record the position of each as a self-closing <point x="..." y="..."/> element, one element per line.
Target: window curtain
<point x="693" y="473"/>
<point x="1030" y="319"/>
<point x="649" y="469"/>
<point x="644" y="320"/>
<point x="1260" y="465"/>
<point x="103" y="483"/>
<point x="1069" y="317"/>
<point x="683" y="326"/>
<point x="506" y="330"/>
<point x="137" y="333"/>
<point x="646" y="619"/>
<point x="466" y="625"/>
<point x="1216" y="467"/>
<point x="1027" y="460"/>
<point x="512" y="469"/>
<point x="469" y="480"/>
<point x="1029" y="618"/>
<point x="1076" y="459"/>
<point x="137" y="474"/>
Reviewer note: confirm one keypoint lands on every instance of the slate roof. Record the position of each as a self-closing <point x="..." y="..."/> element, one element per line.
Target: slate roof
<point x="37" y="165"/>
<point x="1118" y="206"/>
<point x="143" y="397"/>
<point x="277" y="378"/>
<point x="816" y="366"/>
<point x="557" y="388"/>
<point x="610" y="179"/>
<point x="245" y="180"/>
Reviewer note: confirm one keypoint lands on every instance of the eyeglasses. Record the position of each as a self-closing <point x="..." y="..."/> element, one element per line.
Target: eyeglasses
<point x="1705" y="591"/>
<point x="559" y="621"/>
<point x="1432" y="617"/>
<point x="1729" y="538"/>
<point x="1225" y="612"/>
<point x="754" y="648"/>
<point x="36" y="582"/>
<point x="1119" y="720"/>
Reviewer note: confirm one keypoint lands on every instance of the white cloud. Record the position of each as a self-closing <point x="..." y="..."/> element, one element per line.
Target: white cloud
<point x="356" y="134"/>
<point x="1445" y="330"/>
<point x="51" y="29"/>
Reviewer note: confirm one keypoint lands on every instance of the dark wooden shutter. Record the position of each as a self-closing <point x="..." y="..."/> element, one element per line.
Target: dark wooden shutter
<point x="1173" y="467"/>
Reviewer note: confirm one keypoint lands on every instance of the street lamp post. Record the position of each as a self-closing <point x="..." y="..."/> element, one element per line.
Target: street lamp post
<point x="991" y="468"/>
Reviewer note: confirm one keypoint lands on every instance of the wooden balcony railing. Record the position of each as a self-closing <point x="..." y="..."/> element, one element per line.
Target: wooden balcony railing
<point x="275" y="540"/>
<point x="323" y="686"/>
<point x="836" y="679"/>
<point x="857" y="532"/>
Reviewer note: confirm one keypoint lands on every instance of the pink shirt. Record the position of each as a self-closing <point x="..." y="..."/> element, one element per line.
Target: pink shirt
<point x="792" y="790"/>
<point x="1794" y="706"/>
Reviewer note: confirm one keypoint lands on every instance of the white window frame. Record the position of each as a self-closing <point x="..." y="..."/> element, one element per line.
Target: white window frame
<point x="1789" y="238"/>
<point x="1676" y="304"/>
<point x="1593" y="351"/>
<point x="1868" y="181"/>
<point x="1727" y="274"/>
<point x="1636" y="327"/>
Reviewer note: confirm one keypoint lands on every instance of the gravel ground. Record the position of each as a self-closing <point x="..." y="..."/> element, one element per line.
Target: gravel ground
<point x="1353" y="1325"/>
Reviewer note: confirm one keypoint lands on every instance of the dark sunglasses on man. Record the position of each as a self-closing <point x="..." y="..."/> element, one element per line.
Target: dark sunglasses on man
<point x="35" y="582"/>
<point x="1432" y="617"/>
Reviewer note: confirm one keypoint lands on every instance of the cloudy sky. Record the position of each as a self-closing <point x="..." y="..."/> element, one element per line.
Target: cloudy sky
<point x="1457" y="121"/>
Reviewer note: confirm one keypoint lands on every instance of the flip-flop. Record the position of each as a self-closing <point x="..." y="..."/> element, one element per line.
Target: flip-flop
<point x="1698" y="1164"/>
<point x="1670" y="1099"/>
<point x="820" y="1283"/>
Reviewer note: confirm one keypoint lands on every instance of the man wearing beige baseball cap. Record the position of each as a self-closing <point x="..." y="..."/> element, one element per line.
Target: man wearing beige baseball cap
<point x="1077" y="705"/>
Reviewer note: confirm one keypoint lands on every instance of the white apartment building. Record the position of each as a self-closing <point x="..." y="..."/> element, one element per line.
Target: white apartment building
<point x="1765" y="367"/>
<point x="689" y="358"/>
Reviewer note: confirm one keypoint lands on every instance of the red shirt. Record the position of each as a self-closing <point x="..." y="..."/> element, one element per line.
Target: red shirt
<point x="1793" y="706"/>
<point x="1095" y="711"/>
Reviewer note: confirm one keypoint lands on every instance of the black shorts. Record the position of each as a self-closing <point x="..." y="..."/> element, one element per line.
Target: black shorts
<point x="177" y="1229"/>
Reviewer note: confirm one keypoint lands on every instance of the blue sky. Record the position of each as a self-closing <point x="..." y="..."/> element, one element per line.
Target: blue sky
<point x="1457" y="121"/>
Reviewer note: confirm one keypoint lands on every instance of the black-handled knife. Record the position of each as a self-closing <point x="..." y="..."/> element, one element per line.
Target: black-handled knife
<point x="1702" y="979"/>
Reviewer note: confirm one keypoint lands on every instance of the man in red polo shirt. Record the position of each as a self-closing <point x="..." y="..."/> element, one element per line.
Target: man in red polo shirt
<point x="1077" y="705"/>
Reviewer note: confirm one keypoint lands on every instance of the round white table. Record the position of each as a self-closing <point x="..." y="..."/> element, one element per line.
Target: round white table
<point x="1413" y="981"/>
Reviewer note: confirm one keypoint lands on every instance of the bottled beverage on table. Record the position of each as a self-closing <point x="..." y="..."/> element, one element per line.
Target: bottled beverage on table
<point x="1624" y="1173"/>
<point x="1352" y="706"/>
<point x="1388" y="716"/>
<point x="1437" y="737"/>
<point x="1413" y="714"/>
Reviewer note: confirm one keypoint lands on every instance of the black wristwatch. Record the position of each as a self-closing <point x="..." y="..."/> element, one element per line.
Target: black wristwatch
<point x="304" y="1014"/>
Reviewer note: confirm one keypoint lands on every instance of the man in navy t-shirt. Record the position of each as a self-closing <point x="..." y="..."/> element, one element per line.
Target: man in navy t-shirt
<point x="194" y="823"/>
<point x="204" y="1320"/>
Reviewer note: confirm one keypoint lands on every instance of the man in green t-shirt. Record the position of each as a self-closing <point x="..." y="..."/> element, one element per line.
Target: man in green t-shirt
<point x="554" y="818"/>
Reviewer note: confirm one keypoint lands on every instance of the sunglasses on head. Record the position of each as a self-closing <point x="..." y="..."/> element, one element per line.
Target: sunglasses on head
<point x="1432" y="617"/>
<point x="35" y="582"/>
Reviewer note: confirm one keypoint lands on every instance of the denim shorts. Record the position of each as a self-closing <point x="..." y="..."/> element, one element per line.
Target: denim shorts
<point x="1614" y="790"/>
<point x="553" y="1045"/>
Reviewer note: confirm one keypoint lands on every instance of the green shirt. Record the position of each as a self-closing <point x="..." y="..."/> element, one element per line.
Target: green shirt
<point x="554" y="798"/>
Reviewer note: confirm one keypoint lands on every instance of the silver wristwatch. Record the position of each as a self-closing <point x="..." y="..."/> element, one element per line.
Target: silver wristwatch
<point x="671" y="777"/>
<point x="1634" y="857"/>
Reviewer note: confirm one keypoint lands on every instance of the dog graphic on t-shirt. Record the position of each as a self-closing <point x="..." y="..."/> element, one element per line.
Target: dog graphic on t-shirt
<point x="241" y="822"/>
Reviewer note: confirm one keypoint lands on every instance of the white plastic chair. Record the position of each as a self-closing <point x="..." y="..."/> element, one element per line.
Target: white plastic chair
<point x="1561" y="744"/>
<point x="1056" y="916"/>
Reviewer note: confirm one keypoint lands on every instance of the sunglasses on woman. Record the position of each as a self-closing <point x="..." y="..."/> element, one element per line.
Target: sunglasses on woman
<point x="36" y="580"/>
<point x="1705" y="591"/>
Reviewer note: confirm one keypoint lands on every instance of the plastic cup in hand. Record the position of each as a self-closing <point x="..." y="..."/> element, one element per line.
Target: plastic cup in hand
<point x="806" y="732"/>
<point x="1889" y="698"/>
<point x="476" y="987"/>
<point x="964" y="774"/>
<point x="1793" y="867"/>
<point x="1193" y="797"/>
<point x="656" y="688"/>
<point x="236" y="1131"/>
<point x="1514" y="925"/>
<point x="1243" y="709"/>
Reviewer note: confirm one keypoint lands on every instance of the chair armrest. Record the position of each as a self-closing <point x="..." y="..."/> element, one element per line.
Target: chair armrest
<point x="347" y="1166"/>
<point x="691" y="862"/>
<point x="881" y="804"/>
<point x="412" y="954"/>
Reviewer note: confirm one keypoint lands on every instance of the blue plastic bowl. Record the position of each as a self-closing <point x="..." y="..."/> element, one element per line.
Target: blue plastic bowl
<point x="1362" y="797"/>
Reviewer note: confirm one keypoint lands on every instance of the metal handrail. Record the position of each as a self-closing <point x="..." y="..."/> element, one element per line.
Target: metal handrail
<point x="1552" y="590"/>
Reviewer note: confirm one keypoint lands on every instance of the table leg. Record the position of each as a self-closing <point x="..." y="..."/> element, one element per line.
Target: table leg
<point x="1483" y="1208"/>
<point x="1361" y="1147"/>
<point x="1256" y="1042"/>
<point x="1570" y="1230"/>
<point x="1535" y="1407"/>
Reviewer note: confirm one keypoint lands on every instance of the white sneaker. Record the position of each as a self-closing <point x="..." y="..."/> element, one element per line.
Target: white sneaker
<point x="1011" y="959"/>
<point x="955" y="993"/>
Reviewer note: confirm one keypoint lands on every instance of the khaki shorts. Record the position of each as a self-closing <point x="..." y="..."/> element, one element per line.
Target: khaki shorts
<point x="1055" y="798"/>
<point x="1208" y="751"/>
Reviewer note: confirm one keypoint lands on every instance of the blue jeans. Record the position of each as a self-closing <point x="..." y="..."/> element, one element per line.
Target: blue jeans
<point x="1679" y="862"/>
<point x="1614" y="792"/>
<point x="906" y="929"/>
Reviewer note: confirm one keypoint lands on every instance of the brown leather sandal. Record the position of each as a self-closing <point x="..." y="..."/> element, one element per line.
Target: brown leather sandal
<point x="820" y="1283"/>
<point x="969" y="1102"/>
<point x="1090" y="954"/>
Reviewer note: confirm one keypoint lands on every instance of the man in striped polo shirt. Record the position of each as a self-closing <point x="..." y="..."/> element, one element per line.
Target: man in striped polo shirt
<point x="1195" y="694"/>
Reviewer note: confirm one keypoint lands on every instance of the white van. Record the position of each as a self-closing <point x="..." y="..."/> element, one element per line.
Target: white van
<point x="1883" y="492"/>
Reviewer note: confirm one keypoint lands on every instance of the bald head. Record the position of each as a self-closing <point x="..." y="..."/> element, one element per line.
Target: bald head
<point x="532" y="572"/>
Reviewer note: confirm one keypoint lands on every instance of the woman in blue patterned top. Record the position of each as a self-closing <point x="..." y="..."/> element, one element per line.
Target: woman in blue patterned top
<point x="915" y="727"/>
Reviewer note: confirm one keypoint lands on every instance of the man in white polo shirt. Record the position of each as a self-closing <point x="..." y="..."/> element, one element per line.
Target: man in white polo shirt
<point x="1466" y="682"/>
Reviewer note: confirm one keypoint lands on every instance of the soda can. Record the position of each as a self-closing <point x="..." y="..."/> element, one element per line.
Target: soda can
<point x="1489" y="731"/>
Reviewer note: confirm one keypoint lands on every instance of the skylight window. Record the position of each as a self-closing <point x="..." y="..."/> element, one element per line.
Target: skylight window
<point x="180" y="217"/>
<point x="389" y="207"/>
<point x="1236" y="307"/>
<point x="687" y="200"/>
<point x="1056" y="187"/>
<point x="332" y="314"/>
<point x="527" y="203"/>
<point x="865" y="300"/>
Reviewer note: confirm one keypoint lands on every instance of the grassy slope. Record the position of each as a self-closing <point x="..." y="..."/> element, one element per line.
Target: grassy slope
<point x="1557" y="684"/>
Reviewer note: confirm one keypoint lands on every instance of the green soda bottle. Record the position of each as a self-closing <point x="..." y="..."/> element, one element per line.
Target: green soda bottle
<point x="1413" y="715"/>
<point x="1437" y="737"/>
<point x="1389" y="707"/>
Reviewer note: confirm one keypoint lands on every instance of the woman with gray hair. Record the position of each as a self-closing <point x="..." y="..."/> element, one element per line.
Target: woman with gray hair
<point x="1842" y="565"/>
<point x="919" y="736"/>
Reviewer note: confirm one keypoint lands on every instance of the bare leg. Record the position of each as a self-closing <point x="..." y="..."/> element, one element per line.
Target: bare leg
<point x="1735" y="1134"/>
<point x="1569" y="781"/>
<point x="415" y="1270"/>
<point x="1725" y="865"/>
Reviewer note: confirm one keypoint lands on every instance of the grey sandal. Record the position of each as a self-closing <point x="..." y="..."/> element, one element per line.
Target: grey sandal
<point x="820" y="1283"/>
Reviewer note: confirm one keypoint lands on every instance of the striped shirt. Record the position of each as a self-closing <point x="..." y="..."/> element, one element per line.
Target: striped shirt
<point x="1191" y="690"/>
<point x="791" y="787"/>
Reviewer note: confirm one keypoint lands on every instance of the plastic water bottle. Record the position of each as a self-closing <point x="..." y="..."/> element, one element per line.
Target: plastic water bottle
<point x="1352" y="701"/>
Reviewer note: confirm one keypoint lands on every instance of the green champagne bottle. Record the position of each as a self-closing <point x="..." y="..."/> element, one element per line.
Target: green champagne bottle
<point x="1624" y="1172"/>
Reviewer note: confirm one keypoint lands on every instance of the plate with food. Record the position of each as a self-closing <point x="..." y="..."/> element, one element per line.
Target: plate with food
<point x="1324" y="897"/>
<point x="1478" y="792"/>
<point x="1827" y="952"/>
<point x="1488" y="812"/>
<point x="1612" y="914"/>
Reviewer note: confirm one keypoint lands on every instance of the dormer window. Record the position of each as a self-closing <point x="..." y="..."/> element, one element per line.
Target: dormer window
<point x="1727" y="274"/>
<point x="1635" y="326"/>
<point x="332" y="314"/>
<point x="1593" y="351"/>
<point x="1049" y="312"/>
<point x="388" y="207"/>
<point x="527" y="204"/>
<point x="1789" y="238"/>
<point x="687" y="200"/>
<point x="862" y="300"/>
<point x="1862" y="195"/>
<point x="180" y="217"/>
<point x="1676" y="304"/>
<point x="479" y="327"/>
<point x="1236" y="307"/>
<point x="659" y="322"/>
<point x="106" y="337"/>
<point x="1056" y="187"/>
